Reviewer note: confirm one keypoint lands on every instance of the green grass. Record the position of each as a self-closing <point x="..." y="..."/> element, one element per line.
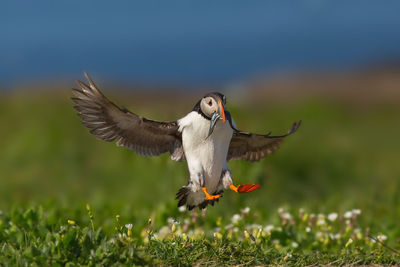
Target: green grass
<point x="46" y="237"/>
<point x="342" y="158"/>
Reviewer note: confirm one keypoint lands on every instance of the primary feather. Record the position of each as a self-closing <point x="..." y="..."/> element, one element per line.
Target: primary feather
<point x="109" y="123"/>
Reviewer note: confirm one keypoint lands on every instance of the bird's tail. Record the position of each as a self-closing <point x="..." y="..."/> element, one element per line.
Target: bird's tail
<point x="182" y="196"/>
<point x="186" y="196"/>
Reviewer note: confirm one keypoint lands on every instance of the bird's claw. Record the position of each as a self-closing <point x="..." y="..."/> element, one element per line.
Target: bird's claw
<point x="208" y="196"/>
<point x="212" y="197"/>
<point x="244" y="188"/>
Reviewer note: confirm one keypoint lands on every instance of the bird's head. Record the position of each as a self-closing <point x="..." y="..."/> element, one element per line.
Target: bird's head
<point x="212" y="106"/>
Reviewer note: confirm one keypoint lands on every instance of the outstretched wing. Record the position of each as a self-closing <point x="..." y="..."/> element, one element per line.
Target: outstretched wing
<point x="109" y="123"/>
<point x="253" y="147"/>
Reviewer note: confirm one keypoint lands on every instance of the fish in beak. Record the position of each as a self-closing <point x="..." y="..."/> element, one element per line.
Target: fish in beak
<point x="219" y="114"/>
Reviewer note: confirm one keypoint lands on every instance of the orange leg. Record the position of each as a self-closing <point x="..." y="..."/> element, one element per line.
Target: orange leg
<point x="208" y="196"/>
<point x="244" y="188"/>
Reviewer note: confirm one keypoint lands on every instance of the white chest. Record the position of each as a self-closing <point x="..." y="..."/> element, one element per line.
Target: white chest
<point x="206" y="155"/>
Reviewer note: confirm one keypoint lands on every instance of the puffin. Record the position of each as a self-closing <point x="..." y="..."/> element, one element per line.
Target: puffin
<point x="206" y="138"/>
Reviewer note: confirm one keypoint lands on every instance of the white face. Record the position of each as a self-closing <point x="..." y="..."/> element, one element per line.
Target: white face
<point x="208" y="105"/>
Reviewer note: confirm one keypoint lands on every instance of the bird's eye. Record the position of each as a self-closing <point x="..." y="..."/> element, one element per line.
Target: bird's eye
<point x="210" y="103"/>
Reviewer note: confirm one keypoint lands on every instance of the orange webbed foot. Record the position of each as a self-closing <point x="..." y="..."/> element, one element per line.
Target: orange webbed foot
<point x="208" y="196"/>
<point x="244" y="188"/>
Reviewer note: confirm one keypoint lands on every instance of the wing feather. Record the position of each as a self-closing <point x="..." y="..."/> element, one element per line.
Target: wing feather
<point x="253" y="147"/>
<point x="110" y="123"/>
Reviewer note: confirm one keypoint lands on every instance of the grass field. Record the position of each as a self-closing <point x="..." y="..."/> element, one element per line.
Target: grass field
<point x="66" y="197"/>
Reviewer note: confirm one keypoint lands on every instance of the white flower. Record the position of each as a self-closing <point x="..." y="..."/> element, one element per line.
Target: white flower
<point x="319" y="235"/>
<point x="333" y="237"/>
<point x="356" y="211"/>
<point x="164" y="231"/>
<point x="245" y="210"/>
<point x="284" y="214"/>
<point x="182" y="208"/>
<point x="295" y="245"/>
<point x="253" y="226"/>
<point x="320" y="222"/>
<point x="171" y="220"/>
<point x="236" y="218"/>
<point x="348" y="214"/>
<point x="128" y="226"/>
<point x="382" y="237"/>
<point x="332" y="216"/>
<point x="190" y="233"/>
<point x="1" y="212"/>
<point x="287" y="216"/>
<point x="308" y="229"/>
<point x="123" y="235"/>
<point x="229" y="226"/>
<point x="268" y="228"/>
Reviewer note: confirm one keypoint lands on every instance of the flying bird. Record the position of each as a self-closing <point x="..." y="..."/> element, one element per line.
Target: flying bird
<point x="207" y="137"/>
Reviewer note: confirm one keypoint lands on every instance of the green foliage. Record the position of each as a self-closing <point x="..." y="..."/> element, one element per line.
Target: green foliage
<point x="343" y="158"/>
<point x="29" y="235"/>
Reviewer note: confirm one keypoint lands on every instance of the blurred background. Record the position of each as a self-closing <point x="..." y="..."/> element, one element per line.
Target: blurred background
<point x="333" y="64"/>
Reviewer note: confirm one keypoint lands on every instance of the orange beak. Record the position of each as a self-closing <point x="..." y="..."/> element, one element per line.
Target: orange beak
<point x="221" y="111"/>
<point x="217" y="115"/>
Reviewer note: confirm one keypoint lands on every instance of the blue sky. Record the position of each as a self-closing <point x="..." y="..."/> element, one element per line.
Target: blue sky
<point x="204" y="42"/>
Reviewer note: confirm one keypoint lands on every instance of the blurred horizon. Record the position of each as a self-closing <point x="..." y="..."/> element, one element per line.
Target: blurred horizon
<point x="192" y="43"/>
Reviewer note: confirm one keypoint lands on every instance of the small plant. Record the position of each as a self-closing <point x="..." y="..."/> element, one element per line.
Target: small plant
<point x="27" y="236"/>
